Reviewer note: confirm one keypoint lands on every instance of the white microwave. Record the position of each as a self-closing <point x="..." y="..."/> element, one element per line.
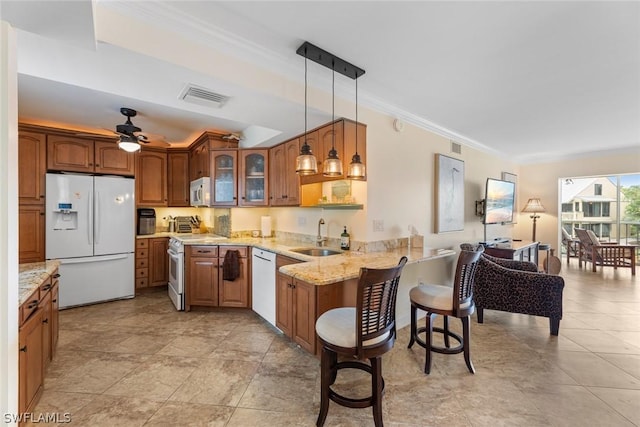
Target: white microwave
<point x="200" y="193"/>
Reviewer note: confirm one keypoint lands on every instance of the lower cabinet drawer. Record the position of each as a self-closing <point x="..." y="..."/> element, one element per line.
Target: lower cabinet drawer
<point x="142" y="263"/>
<point x="142" y="282"/>
<point x="142" y="272"/>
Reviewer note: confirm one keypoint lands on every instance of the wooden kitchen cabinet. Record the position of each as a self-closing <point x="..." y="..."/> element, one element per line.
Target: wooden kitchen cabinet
<point x="201" y="278"/>
<point x="152" y="262"/>
<point x="110" y="159"/>
<point x="234" y="293"/>
<point x="295" y="307"/>
<point x="178" y="178"/>
<point x="224" y="167"/>
<point x="199" y="160"/>
<point x="31" y="233"/>
<point x="55" y="313"/>
<point x="254" y="177"/>
<point x="32" y="167"/>
<point x="31" y="366"/>
<point x="151" y="178"/>
<point x="38" y="338"/>
<point x="158" y="261"/>
<point x="66" y="153"/>
<point x="284" y="183"/>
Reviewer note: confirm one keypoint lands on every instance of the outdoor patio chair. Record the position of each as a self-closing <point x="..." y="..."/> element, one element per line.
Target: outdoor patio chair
<point x="605" y="254"/>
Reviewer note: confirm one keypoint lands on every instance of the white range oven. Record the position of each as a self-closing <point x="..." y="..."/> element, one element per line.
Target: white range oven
<point x="176" y="272"/>
<point x="176" y="263"/>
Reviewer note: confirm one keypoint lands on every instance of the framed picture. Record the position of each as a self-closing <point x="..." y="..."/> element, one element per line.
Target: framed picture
<point x="449" y="194"/>
<point x="506" y="176"/>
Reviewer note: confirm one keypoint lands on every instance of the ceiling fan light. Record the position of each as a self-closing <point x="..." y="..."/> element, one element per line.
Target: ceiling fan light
<point x="128" y="146"/>
<point x="356" y="168"/>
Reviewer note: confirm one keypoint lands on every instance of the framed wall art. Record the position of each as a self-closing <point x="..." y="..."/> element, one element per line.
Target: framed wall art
<point x="449" y="194"/>
<point x="506" y="176"/>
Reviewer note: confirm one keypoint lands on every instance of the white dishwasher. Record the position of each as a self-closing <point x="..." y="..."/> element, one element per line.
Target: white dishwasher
<point x="263" y="284"/>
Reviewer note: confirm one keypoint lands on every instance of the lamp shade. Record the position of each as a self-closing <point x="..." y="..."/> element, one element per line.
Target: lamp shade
<point x="534" y="205"/>
<point x="356" y="168"/>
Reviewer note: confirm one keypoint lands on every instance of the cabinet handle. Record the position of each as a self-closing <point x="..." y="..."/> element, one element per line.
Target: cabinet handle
<point x="55" y="276"/>
<point x="46" y="287"/>
<point x="45" y="320"/>
<point x="90" y="164"/>
<point x="234" y="197"/>
<point x="24" y="349"/>
<point x="33" y="303"/>
<point x="243" y="198"/>
<point x="55" y="300"/>
<point x="284" y="197"/>
<point x="41" y="213"/>
<point x="97" y="165"/>
<point x="204" y="252"/>
<point x="42" y="196"/>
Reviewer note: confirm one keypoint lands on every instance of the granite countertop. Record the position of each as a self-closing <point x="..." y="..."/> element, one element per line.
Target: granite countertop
<point x="319" y="270"/>
<point x="31" y="276"/>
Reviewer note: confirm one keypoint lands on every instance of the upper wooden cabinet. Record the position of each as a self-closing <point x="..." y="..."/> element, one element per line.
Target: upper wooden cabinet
<point x="110" y="159"/>
<point x="284" y="183"/>
<point x="178" y="178"/>
<point x="199" y="162"/>
<point x="224" y="188"/>
<point x="32" y="167"/>
<point x="66" y="153"/>
<point x="254" y="177"/>
<point x="151" y="178"/>
<point x="70" y="154"/>
<point x="31" y="234"/>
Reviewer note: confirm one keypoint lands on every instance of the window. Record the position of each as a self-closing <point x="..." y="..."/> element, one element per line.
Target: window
<point x="596" y="209"/>
<point x="577" y="206"/>
<point x="597" y="189"/>
<point x="567" y="207"/>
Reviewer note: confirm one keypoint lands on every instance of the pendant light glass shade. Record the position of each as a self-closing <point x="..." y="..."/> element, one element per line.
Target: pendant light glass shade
<point x="356" y="167"/>
<point x="333" y="165"/>
<point x="306" y="163"/>
<point x="127" y="145"/>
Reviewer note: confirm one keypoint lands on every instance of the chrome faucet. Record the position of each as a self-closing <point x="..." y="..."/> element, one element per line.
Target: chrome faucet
<point x="319" y="239"/>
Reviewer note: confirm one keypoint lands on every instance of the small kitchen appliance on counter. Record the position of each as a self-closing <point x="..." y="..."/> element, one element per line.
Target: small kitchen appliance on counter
<point x="146" y="221"/>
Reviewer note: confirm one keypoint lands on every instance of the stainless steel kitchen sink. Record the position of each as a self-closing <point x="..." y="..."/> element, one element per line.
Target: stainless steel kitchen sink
<point x="316" y="251"/>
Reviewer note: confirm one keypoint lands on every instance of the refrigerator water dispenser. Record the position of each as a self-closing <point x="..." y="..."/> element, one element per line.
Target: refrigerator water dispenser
<point x="65" y="218"/>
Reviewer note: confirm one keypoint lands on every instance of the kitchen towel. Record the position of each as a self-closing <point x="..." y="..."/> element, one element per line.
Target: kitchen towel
<point x="265" y="222"/>
<point x="231" y="265"/>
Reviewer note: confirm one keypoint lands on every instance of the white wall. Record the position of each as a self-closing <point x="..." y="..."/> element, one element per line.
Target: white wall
<point x="8" y="223"/>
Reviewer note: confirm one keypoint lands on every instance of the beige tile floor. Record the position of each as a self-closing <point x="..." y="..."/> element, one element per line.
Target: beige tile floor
<point x="140" y="363"/>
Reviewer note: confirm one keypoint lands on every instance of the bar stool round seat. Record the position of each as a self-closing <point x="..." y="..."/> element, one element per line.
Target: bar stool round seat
<point x="357" y="334"/>
<point x="447" y="301"/>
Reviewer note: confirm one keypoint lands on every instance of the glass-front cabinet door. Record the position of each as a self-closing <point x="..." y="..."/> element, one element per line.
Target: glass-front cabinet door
<point x="254" y="177"/>
<point x="223" y="177"/>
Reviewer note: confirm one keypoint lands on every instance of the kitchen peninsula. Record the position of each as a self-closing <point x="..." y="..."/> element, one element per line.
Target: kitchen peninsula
<point x="305" y="286"/>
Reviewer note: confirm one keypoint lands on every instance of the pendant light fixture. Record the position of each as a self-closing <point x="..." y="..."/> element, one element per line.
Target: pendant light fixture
<point x="356" y="167"/>
<point x="333" y="165"/>
<point x="306" y="163"/>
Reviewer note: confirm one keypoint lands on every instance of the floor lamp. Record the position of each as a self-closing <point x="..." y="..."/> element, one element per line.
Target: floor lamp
<point x="534" y="206"/>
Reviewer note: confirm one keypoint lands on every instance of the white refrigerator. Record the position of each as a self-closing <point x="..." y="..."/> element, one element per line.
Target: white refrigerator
<point x="90" y="229"/>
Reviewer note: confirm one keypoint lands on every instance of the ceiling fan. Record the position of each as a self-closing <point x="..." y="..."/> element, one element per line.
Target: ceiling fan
<point x="130" y="136"/>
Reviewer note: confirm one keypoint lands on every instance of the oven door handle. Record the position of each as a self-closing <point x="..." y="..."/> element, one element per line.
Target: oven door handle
<point x="172" y="253"/>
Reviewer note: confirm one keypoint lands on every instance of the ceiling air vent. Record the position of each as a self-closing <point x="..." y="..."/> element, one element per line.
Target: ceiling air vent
<point x="202" y="96"/>
<point x="456" y="148"/>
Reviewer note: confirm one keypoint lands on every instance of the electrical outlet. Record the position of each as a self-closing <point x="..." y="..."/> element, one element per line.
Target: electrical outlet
<point x="378" y="225"/>
<point x="302" y="220"/>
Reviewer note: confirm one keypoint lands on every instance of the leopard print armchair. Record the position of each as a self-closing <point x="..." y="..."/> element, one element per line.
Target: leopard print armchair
<point x="517" y="287"/>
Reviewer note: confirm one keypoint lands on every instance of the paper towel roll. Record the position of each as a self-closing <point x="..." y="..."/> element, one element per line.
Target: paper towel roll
<point x="265" y="222"/>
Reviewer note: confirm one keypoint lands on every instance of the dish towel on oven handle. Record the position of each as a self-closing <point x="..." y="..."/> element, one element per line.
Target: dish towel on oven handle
<point x="231" y="265"/>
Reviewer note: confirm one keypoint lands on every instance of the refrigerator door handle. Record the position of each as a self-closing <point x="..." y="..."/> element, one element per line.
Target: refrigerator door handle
<point x="90" y="219"/>
<point x="94" y="259"/>
<point x="96" y="224"/>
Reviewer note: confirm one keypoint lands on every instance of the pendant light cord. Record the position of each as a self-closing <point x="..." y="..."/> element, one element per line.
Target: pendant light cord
<point x="305" y="96"/>
<point x="356" y="113"/>
<point x="333" y="107"/>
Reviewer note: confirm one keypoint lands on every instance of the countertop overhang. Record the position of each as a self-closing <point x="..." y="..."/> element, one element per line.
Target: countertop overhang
<point x="320" y="270"/>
